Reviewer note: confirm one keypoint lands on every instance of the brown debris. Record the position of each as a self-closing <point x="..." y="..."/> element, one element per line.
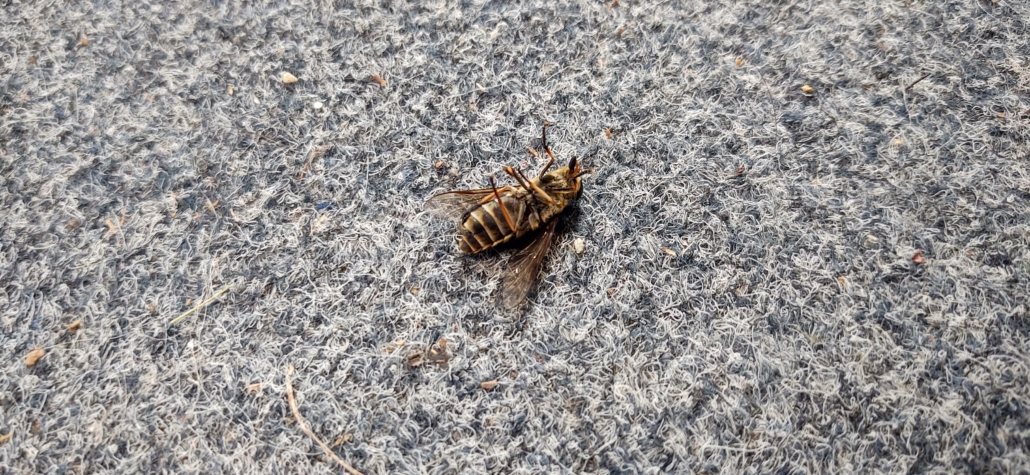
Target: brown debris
<point x="33" y="357"/>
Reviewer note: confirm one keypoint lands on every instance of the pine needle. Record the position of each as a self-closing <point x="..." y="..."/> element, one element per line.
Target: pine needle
<point x="304" y="426"/>
<point x="200" y="305"/>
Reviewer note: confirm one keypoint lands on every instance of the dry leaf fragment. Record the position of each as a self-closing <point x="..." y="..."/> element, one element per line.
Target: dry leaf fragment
<point x="608" y="133"/>
<point x="342" y="440"/>
<point x="74" y="326"/>
<point x="84" y="42"/>
<point x="488" y="385"/>
<point x="380" y="80"/>
<point x="807" y="89"/>
<point x="740" y="61"/>
<point x="918" y="258"/>
<point x="254" y="387"/>
<point x="415" y="359"/>
<point x="668" y="251"/>
<point x="6" y="437"/>
<point x="438" y="165"/>
<point x="33" y="357"/>
<point x="289" y="78"/>
<point x="439" y="354"/>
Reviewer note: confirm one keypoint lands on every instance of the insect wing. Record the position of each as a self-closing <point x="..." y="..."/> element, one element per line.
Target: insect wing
<point x="454" y="204"/>
<point x="524" y="267"/>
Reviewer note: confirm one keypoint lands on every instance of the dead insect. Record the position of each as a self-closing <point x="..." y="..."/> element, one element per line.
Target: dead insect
<point x="492" y="216"/>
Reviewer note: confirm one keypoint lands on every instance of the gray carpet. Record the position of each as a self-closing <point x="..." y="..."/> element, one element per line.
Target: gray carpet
<point x="805" y="243"/>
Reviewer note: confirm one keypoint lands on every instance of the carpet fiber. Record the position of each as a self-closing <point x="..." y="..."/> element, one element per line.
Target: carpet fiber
<point x="804" y="248"/>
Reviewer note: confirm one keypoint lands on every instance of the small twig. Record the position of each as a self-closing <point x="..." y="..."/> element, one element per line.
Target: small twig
<point x="311" y="157"/>
<point x="917" y="81"/>
<point x="200" y="305"/>
<point x="304" y="426"/>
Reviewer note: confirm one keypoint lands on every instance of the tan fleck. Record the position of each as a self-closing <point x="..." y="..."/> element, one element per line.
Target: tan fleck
<point x="33" y="357"/>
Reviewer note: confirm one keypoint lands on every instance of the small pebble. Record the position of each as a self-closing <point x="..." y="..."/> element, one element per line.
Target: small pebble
<point x="579" y="245"/>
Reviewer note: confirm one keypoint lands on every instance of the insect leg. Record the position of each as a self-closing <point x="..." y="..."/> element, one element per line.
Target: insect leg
<point x="486" y="199"/>
<point x="536" y="189"/>
<point x="549" y="163"/>
<point x="543" y="139"/>
<point x="504" y="209"/>
<point x="518" y="177"/>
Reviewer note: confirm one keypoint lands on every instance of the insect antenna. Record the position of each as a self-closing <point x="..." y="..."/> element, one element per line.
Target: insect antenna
<point x="582" y="172"/>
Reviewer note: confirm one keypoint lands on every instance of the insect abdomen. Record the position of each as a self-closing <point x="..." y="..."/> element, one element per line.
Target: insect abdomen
<point x="485" y="226"/>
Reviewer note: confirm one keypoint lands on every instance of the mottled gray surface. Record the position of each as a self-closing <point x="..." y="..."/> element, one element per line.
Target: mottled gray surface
<point x="747" y="300"/>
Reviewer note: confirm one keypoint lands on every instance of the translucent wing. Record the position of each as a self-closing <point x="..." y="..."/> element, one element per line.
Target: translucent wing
<point x="524" y="266"/>
<point x="454" y="204"/>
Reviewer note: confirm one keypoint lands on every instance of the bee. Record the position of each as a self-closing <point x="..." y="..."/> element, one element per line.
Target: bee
<point x="489" y="217"/>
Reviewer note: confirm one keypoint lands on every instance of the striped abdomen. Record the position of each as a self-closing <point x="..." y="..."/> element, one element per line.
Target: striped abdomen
<point x="485" y="227"/>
